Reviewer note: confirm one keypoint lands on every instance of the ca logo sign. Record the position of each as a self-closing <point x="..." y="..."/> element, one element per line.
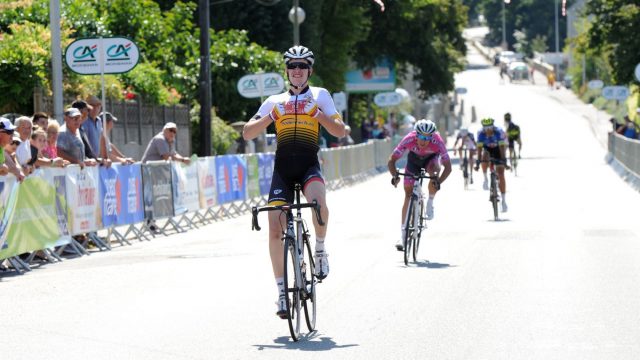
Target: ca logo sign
<point x="119" y="52"/>
<point x="85" y="54"/>
<point x="249" y="84"/>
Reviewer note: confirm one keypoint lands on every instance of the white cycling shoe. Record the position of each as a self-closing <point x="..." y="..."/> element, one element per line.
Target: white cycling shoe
<point x="282" y="307"/>
<point x="429" y="211"/>
<point x="485" y="184"/>
<point x="504" y="206"/>
<point x="322" y="264"/>
<point x="399" y="245"/>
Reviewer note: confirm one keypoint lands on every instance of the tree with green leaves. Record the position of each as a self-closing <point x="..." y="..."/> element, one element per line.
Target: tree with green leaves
<point x="613" y="33"/>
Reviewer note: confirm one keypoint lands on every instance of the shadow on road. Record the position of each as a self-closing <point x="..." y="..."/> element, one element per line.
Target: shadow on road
<point x="431" y="265"/>
<point x="477" y="66"/>
<point x="309" y="342"/>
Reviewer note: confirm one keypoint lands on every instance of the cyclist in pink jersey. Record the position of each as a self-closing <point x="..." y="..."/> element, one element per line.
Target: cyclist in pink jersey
<point x="426" y="150"/>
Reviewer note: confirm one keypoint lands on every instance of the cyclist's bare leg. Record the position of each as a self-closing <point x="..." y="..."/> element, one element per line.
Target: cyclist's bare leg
<point x="408" y="190"/>
<point x="503" y="183"/>
<point x="315" y="190"/>
<point x="277" y="222"/>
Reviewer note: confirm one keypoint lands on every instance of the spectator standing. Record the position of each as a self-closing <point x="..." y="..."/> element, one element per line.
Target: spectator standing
<point x="9" y="154"/>
<point x="629" y="129"/>
<point x="107" y="149"/>
<point x="40" y="119"/>
<point x="6" y="134"/>
<point x="347" y="139"/>
<point x="162" y="146"/>
<point x="38" y="143"/>
<point x="69" y="145"/>
<point x="24" y="127"/>
<point x="89" y="151"/>
<point x="50" y="149"/>
<point x="92" y="125"/>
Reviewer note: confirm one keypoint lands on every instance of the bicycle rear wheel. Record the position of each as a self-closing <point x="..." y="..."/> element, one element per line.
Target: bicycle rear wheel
<point x="419" y="221"/>
<point x="494" y="195"/>
<point x="308" y="274"/>
<point x="291" y="288"/>
<point x="408" y="232"/>
<point x="465" y="172"/>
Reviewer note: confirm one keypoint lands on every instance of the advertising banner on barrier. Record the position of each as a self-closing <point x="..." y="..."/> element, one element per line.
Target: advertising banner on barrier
<point x="83" y="205"/>
<point x="8" y="197"/>
<point x="265" y="169"/>
<point x="34" y="225"/>
<point x="253" y="176"/>
<point x="185" y="186"/>
<point x="231" y="173"/>
<point x="121" y="194"/>
<point x="131" y="210"/>
<point x="58" y="178"/>
<point x="207" y="182"/>
<point x="156" y="180"/>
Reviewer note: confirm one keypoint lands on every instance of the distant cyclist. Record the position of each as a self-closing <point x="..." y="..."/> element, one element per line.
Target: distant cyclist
<point x="513" y="134"/>
<point x="492" y="142"/>
<point x="467" y="141"/>
<point x="426" y="150"/>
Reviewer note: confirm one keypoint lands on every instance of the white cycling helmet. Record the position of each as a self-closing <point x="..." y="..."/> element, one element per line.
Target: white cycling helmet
<point x="464" y="131"/>
<point x="425" y="127"/>
<point x="299" y="52"/>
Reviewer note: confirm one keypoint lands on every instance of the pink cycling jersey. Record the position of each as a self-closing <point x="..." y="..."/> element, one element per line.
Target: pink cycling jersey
<point x="410" y="143"/>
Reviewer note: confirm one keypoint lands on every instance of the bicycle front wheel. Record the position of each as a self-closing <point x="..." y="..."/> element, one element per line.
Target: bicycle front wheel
<point x="419" y="223"/>
<point x="291" y="287"/>
<point x="408" y="231"/>
<point x="308" y="274"/>
<point x="465" y="172"/>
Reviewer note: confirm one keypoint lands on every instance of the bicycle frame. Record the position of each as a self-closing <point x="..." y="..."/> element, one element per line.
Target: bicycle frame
<point x="414" y="218"/>
<point x="295" y="237"/>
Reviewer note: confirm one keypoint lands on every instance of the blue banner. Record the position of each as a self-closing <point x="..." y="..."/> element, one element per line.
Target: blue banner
<point x="265" y="170"/>
<point x="231" y="176"/>
<point x="109" y="188"/>
<point x="131" y="208"/>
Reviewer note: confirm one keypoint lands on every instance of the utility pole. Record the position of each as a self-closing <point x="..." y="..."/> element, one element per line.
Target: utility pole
<point x="205" y="79"/>
<point x="56" y="59"/>
<point x="504" y="27"/>
<point x="557" y="40"/>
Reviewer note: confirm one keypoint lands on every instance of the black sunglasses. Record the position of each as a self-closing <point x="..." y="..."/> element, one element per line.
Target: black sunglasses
<point x="10" y="132"/>
<point x="173" y="130"/>
<point x="303" y="66"/>
<point x="15" y="142"/>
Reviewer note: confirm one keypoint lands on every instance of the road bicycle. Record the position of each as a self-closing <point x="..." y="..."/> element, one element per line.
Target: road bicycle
<point x="494" y="183"/>
<point x="415" y="219"/>
<point x="467" y="171"/>
<point x="299" y="268"/>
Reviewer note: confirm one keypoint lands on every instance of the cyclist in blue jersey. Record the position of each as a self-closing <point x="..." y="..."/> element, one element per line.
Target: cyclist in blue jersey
<point x="492" y="143"/>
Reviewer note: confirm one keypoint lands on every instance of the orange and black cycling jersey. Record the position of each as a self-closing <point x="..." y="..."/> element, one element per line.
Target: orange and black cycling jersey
<point x="297" y="133"/>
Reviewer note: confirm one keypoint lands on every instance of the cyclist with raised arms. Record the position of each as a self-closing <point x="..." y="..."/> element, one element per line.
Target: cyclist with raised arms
<point x="492" y="142"/>
<point x="297" y="114"/>
<point x="513" y="134"/>
<point x="467" y="141"/>
<point x="426" y="150"/>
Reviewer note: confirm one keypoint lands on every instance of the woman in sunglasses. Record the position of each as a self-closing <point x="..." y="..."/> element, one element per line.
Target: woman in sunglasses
<point x="426" y="150"/>
<point x="297" y="115"/>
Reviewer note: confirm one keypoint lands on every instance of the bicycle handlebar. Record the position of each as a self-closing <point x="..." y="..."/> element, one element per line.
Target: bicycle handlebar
<point x="422" y="175"/>
<point x="494" y="161"/>
<point x="286" y="207"/>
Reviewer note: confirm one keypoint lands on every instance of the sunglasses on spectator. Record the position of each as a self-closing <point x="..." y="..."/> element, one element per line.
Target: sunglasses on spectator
<point x="424" y="137"/>
<point x="173" y="130"/>
<point x="15" y="142"/>
<point x="10" y="132"/>
<point x="303" y="66"/>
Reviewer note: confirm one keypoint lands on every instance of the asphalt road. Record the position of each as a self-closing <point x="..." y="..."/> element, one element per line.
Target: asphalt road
<point x="557" y="278"/>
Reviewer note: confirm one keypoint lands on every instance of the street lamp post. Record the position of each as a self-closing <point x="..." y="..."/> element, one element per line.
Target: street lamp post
<point x="555" y="3"/>
<point x="504" y="27"/>
<point x="296" y="16"/>
<point x="205" y="79"/>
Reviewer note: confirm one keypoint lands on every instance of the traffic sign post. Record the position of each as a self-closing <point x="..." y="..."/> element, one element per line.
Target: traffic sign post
<point x="619" y="93"/>
<point x="92" y="56"/>
<point x="260" y="85"/>
<point x="385" y="99"/>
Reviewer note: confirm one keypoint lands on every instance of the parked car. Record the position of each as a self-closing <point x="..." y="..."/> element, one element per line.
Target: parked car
<point x="518" y="70"/>
<point x="567" y="81"/>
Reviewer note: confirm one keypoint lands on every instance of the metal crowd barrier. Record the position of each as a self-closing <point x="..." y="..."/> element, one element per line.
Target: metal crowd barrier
<point x="60" y="211"/>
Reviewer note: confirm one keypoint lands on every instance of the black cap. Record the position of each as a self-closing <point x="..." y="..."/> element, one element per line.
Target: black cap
<point x="80" y="104"/>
